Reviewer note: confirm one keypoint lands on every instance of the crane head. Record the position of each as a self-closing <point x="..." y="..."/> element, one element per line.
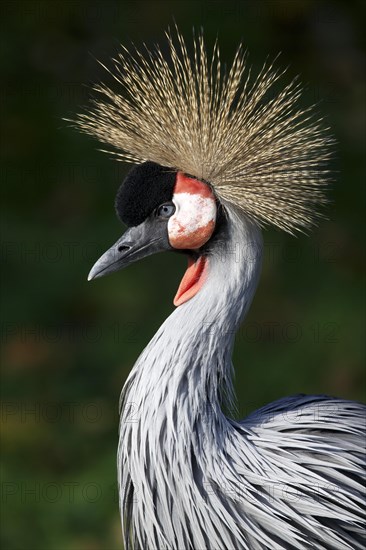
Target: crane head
<point x="163" y="209"/>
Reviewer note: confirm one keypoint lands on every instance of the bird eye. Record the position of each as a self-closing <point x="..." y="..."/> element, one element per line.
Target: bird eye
<point x="165" y="210"/>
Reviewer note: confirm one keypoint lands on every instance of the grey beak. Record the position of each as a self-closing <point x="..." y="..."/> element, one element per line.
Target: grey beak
<point x="138" y="242"/>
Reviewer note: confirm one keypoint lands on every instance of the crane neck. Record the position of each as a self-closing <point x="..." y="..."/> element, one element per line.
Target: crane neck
<point x="189" y="358"/>
<point x="234" y="261"/>
<point x="171" y="405"/>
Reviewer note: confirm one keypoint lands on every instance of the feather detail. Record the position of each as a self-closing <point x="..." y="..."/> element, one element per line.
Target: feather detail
<point x="259" y="149"/>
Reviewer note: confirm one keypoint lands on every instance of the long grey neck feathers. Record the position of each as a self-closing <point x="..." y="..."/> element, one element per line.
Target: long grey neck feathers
<point x="172" y="401"/>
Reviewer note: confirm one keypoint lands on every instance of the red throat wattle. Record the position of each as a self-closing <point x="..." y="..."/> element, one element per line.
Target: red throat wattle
<point x="192" y="281"/>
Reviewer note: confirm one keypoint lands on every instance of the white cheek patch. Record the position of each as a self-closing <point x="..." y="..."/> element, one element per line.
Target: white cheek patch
<point x="193" y="222"/>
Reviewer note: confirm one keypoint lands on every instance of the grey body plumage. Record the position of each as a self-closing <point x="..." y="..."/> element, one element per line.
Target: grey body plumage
<point x="288" y="476"/>
<point x="291" y="475"/>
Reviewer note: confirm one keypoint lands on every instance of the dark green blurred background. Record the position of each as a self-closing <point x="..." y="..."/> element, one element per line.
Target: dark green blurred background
<point x="68" y="345"/>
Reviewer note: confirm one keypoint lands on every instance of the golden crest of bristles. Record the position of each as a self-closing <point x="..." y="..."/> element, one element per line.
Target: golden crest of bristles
<point x="259" y="150"/>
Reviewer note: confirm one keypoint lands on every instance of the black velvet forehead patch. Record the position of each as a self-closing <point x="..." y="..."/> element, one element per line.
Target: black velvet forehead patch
<point x="145" y="187"/>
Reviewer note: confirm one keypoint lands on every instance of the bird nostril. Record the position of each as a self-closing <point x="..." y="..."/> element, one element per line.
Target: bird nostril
<point x="123" y="248"/>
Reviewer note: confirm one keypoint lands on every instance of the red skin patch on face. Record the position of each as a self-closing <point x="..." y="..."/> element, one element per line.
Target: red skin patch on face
<point x="190" y="228"/>
<point x="194" y="222"/>
<point x="192" y="281"/>
<point x="185" y="184"/>
<point x="195" y="239"/>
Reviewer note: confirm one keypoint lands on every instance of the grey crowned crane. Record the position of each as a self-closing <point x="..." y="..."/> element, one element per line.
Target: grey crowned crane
<point x="218" y="155"/>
